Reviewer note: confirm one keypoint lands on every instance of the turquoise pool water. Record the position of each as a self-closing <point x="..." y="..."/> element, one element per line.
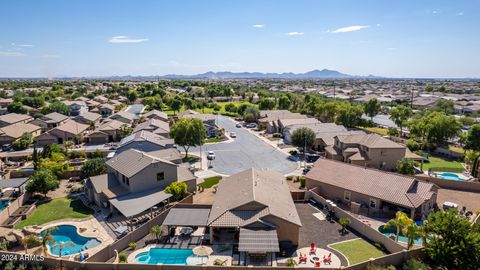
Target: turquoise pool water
<point x="450" y="176"/>
<point x="164" y="256"/>
<point x="401" y="238"/>
<point x="74" y="243"/>
<point x="3" y="204"/>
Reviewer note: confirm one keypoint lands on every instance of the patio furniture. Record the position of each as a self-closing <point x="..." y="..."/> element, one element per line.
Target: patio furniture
<point x="122" y="229"/>
<point x="202" y="251"/>
<point x="186" y="231"/>
<point x="302" y="258"/>
<point x="313" y="249"/>
<point x="219" y="262"/>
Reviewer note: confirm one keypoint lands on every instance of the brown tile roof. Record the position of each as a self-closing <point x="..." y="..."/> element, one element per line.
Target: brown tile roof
<point x="369" y="140"/>
<point x="12" y="118"/>
<point x="391" y="187"/>
<point x="265" y="192"/>
<point x="72" y="127"/>
<point x="17" y="130"/>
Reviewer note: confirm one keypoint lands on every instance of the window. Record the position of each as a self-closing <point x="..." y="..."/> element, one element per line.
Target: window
<point x="123" y="178"/>
<point x="347" y="195"/>
<point x="128" y="182"/>
<point x="160" y="176"/>
<point x="373" y="203"/>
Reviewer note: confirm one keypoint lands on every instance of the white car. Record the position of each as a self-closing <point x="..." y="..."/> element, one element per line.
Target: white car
<point x="210" y="155"/>
<point x="233" y="134"/>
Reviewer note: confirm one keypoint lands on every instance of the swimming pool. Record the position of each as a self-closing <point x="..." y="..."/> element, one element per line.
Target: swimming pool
<point x="74" y="243"/>
<point x="388" y="232"/>
<point x="3" y="204"/>
<point x="450" y="176"/>
<point x="169" y="256"/>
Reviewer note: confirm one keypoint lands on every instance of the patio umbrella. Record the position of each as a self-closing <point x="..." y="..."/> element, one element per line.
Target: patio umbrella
<point x="202" y="251"/>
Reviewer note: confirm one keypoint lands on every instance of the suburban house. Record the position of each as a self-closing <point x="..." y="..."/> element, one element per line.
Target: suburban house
<point x="106" y="109"/>
<point x="324" y="133"/>
<point x="125" y="117"/>
<point x="106" y="132"/>
<point x="280" y="125"/>
<point x="135" y="182"/>
<point x="69" y="131"/>
<point x="158" y="127"/>
<point x="76" y="107"/>
<point x="269" y="119"/>
<point x="92" y="104"/>
<point x="50" y="121"/>
<point x="368" y="191"/>
<point x="170" y="154"/>
<point x="209" y="122"/>
<point x="88" y="118"/>
<point x="144" y="141"/>
<point x="155" y="114"/>
<point x="371" y="150"/>
<point x="11" y="133"/>
<point x="100" y="99"/>
<point x="254" y="207"/>
<point x="14" y="118"/>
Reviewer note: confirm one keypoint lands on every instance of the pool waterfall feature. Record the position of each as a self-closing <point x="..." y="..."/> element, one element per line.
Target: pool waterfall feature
<point x="73" y="242"/>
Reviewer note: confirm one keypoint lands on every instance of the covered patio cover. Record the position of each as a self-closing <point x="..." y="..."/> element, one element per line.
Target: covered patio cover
<point x="187" y="217"/>
<point x="258" y="241"/>
<point x="135" y="203"/>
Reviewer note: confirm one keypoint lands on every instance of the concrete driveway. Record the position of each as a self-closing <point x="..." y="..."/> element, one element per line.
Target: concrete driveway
<point x="245" y="151"/>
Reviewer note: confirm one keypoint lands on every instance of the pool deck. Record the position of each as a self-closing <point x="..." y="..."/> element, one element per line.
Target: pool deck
<point x="88" y="227"/>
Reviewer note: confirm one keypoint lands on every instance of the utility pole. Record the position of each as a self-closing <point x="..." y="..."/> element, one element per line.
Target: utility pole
<point x="201" y="160"/>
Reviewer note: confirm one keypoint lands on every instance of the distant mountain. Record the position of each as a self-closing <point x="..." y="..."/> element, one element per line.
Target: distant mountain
<point x="314" y="74"/>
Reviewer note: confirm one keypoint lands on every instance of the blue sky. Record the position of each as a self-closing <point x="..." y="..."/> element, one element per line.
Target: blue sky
<point x="428" y="38"/>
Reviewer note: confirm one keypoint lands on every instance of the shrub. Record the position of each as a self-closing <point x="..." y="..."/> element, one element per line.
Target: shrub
<point x="177" y="189"/>
<point x="122" y="257"/>
<point x="302" y="181"/>
<point x="293" y="152"/>
<point x="406" y="166"/>
<point x="291" y="262"/>
<point x="376" y="267"/>
<point x="132" y="245"/>
<point x="393" y="132"/>
<point x="413" y="145"/>
<point x="289" y="178"/>
<point x="414" y="264"/>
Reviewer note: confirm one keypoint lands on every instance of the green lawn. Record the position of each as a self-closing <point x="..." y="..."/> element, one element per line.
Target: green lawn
<point x="210" y="181"/>
<point x="56" y="209"/>
<point x="443" y="165"/>
<point x="381" y="131"/>
<point x="357" y="250"/>
<point x="213" y="140"/>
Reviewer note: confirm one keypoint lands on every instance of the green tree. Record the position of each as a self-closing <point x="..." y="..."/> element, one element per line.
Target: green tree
<point x="472" y="138"/>
<point x="434" y="128"/>
<point x="125" y="130"/>
<point x="454" y="242"/>
<point x="230" y="107"/>
<point x="68" y="145"/>
<point x="251" y="114"/>
<point x="176" y="105"/>
<point x="406" y="166"/>
<point x="30" y="240"/>
<point x="188" y="132"/>
<point x="132" y="96"/>
<point x="400" y="221"/>
<point x="56" y="106"/>
<point x="348" y="115"/>
<point x="42" y="181"/>
<point x="266" y="104"/>
<point x="428" y="88"/>
<point x="47" y="239"/>
<point x="414" y="264"/>
<point x="327" y="111"/>
<point x="156" y="231"/>
<point x="444" y="105"/>
<point x="16" y="107"/>
<point x="344" y="223"/>
<point x="372" y="108"/>
<point x="400" y="115"/>
<point x="177" y="189"/>
<point x="284" y="102"/>
<point x="303" y="137"/>
<point x="412" y="232"/>
<point x="24" y="142"/>
<point x="93" y="167"/>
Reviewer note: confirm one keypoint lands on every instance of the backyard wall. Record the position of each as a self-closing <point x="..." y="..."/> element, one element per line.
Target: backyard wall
<point x="370" y="233"/>
<point x="17" y="203"/>
<point x="449" y="184"/>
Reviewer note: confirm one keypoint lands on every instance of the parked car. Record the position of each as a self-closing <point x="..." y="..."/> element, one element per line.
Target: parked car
<point x="293" y="158"/>
<point x="312" y="158"/>
<point x="251" y="125"/>
<point x="7" y="147"/>
<point x="210" y="155"/>
<point x="233" y="134"/>
<point x="238" y="126"/>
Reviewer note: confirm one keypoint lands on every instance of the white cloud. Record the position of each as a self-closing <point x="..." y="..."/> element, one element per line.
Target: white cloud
<point x="392" y="49"/>
<point x="258" y="25"/>
<point x="459" y="14"/>
<point x="126" y="39"/>
<point x="352" y="28"/>
<point x="11" y="54"/>
<point x="295" y="34"/>
<point x="25" y="45"/>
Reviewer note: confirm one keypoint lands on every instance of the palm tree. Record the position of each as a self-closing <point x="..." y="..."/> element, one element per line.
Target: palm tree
<point x="424" y="232"/>
<point x="344" y="222"/>
<point x="47" y="239"/>
<point x="399" y="222"/>
<point x="62" y="244"/>
<point x="29" y="240"/>
<point x="156" y="231"/>
<point x="412" y="231"/>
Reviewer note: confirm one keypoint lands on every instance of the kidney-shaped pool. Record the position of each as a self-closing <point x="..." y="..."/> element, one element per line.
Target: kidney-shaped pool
<point x="72" y="241"/>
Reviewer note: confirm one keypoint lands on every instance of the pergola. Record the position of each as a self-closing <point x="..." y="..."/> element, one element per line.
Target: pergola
<point x="254" y="243"/>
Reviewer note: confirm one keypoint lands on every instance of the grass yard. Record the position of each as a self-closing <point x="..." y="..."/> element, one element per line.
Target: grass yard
<point x="443" y="165"/>
<point x="213" y="140"/>
<point x="168" y="111"/>
<point x="210" y="182"/>
<point x="56" y="209"/>
<point x="381" y="131"/>
<point x="357" y="250"/>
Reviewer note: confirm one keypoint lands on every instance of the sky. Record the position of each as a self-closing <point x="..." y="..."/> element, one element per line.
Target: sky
<point x="408" y="38"/>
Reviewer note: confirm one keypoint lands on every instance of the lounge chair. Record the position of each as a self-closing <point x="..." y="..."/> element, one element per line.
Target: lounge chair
<point x="302" y="259"/>
<point x="219" y="262"/>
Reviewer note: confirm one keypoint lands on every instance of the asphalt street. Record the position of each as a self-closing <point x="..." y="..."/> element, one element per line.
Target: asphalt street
<point x="246" y="151"/>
